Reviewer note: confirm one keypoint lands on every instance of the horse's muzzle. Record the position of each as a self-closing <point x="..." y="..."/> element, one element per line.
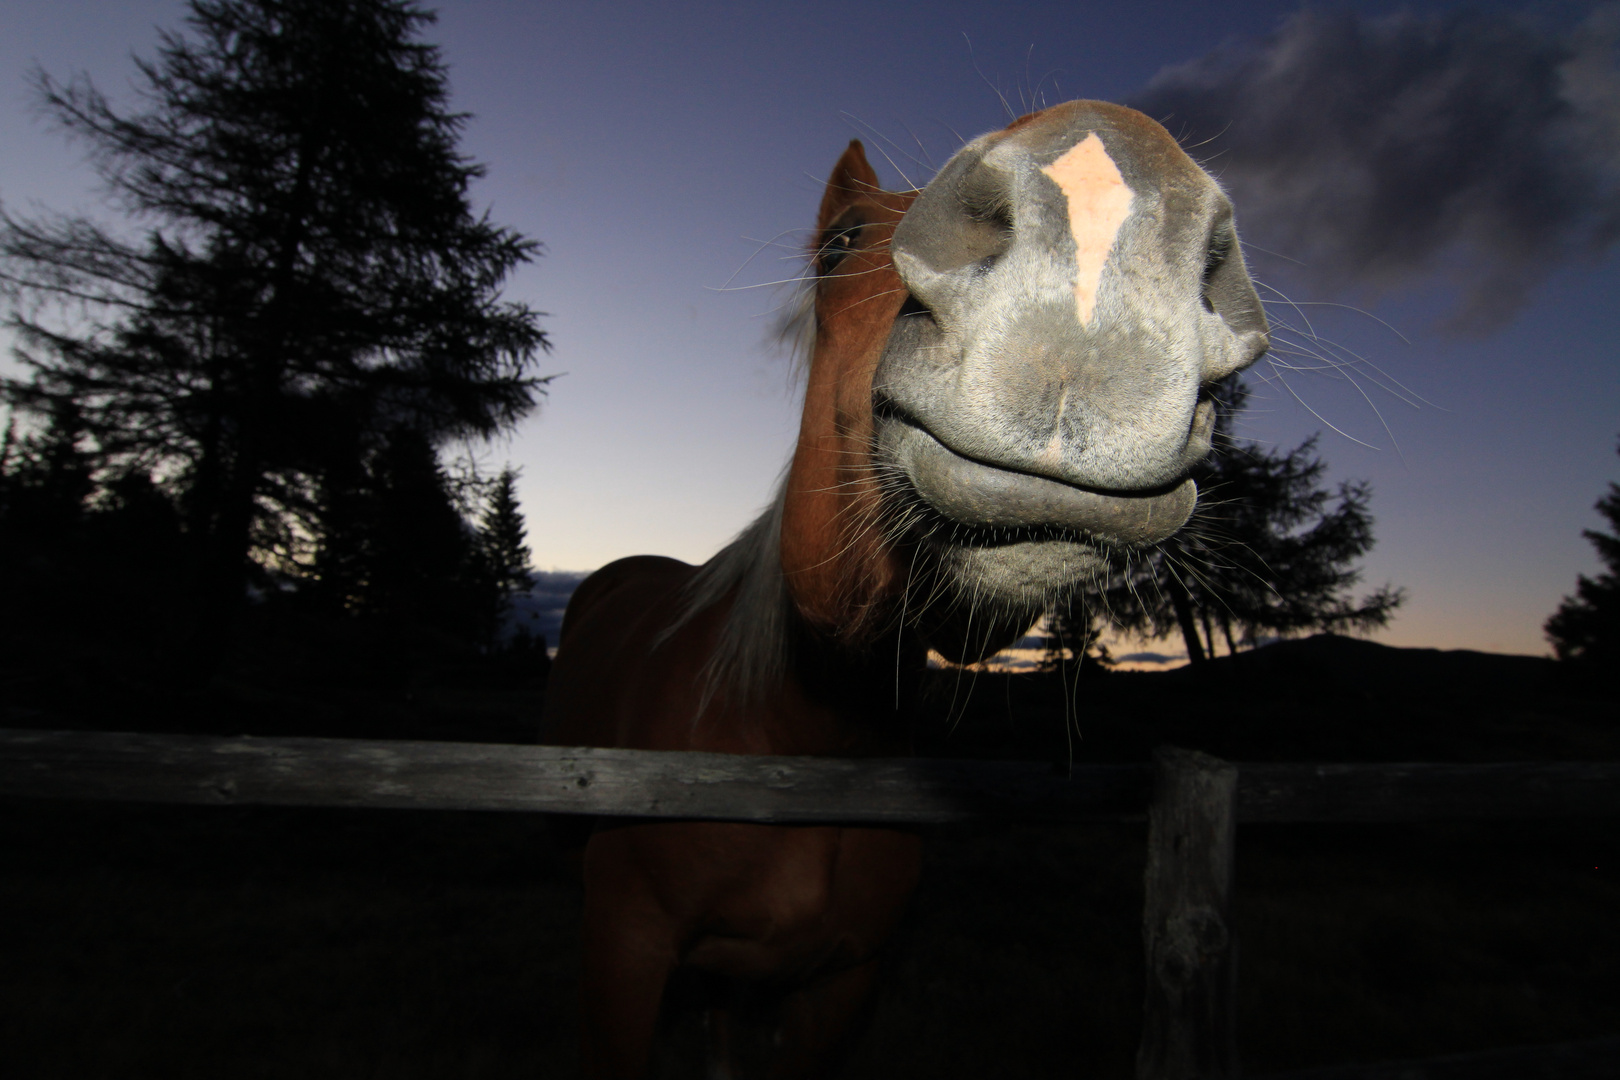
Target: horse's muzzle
<point x="981" y="495"/>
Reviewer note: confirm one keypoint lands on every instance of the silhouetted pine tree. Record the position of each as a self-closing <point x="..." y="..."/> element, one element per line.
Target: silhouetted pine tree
<point x="504" y="537"/>
<point x="138" y="527"/>
<point x="80" y="560"/>
<point x="1270" y="551"/>
<point x="50" y="477"/>
<point x="311" y="275"/>
<point x="1073" y="634"/>
<point x="1586" y="627"/>
<point x="404" y="556"/>
<point x="422" y="562"/>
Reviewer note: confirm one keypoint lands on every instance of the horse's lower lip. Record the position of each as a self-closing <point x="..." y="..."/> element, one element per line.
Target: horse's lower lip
<point x="976" y="494"/>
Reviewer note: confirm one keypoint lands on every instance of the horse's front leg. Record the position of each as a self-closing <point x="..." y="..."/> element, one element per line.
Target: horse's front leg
<point x="817" y="1023"/>
<point x="630" y="948"/>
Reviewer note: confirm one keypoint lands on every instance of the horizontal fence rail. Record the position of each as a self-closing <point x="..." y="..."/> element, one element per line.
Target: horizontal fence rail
<point x="775" y="790"/>
<point x="559" y="780"/>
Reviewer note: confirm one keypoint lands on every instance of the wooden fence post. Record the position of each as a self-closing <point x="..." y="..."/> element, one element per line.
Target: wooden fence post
<point x="1189" y="1012"/>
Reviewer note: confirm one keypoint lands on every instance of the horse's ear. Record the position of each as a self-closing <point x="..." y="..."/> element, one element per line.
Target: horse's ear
<point x="851" y="178"/>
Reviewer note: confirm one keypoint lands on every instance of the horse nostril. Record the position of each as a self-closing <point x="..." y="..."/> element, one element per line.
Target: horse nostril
<point x="1218" y="250"/>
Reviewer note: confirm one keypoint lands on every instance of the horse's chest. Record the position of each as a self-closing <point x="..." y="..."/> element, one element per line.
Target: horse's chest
<point x="762" y="901"/>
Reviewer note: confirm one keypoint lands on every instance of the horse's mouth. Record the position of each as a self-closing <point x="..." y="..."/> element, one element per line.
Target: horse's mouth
<point x="996" y="501"/>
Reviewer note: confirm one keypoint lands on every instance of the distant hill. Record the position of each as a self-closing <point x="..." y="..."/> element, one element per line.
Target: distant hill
<point x="1324" y="697"/>
<point x="540" y="610"/>
<point x="1331" y="662"/>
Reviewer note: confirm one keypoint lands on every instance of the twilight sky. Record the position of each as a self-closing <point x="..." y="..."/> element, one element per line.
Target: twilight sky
<point x="1448" y="172"/>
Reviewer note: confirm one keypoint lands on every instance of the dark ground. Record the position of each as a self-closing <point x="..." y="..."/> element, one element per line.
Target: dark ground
<point x="142" y="941"/>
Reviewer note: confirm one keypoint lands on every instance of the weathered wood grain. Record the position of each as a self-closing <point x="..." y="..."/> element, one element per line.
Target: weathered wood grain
<point x="1189" y="1007"/>
<point x="620" y="783"/>
<point x="634" y="783"/>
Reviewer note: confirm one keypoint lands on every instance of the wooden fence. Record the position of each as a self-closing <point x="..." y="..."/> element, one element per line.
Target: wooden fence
<point x="1192" y="803"/>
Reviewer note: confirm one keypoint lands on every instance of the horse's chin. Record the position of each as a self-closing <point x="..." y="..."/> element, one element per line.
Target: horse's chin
<point x="1014" y="536"/>
<point x="1022" y="575"/>
<point x="985" y="596"/>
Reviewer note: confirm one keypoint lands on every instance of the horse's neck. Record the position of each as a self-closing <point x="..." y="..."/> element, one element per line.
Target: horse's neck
<point x="856" y="582"/>
<point x="766" y="648"/>
<point x="837" y="556"/>
<point x="751" y="654"/>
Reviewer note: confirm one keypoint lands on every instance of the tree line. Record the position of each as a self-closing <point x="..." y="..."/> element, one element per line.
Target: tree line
<point x="245" y="390"/>
<point x="415" y="542"/>
<point x="1585" y="630"/>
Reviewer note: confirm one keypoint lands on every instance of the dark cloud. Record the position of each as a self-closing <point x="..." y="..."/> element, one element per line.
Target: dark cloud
<point x="1152" y="658"/>
<point x="1380" y="150"/>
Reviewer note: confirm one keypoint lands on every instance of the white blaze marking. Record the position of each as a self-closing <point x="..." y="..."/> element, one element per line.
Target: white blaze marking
<point x="1099" y="202"/>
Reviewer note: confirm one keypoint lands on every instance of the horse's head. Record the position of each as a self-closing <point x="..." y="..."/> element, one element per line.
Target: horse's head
<point x="1010" y="371"/>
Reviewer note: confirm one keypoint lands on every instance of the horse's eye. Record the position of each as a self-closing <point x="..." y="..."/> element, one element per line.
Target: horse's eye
<point x="840" y="243"/>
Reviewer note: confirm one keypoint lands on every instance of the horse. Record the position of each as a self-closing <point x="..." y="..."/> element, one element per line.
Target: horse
<point x="1009" y="378"/>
